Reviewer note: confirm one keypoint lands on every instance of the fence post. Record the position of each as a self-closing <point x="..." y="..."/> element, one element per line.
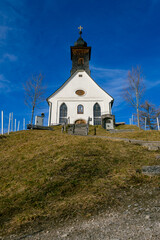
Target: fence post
<point x="15" y="125"/>
<point x="9" y="123"/>
<point x="2" y="122"/>
<point x="12" y="122"/>
<point x="18" y="125"/>
<point x="132" y="119"/>
<point x="23" y="123"/>
<point x="158" y="123"/>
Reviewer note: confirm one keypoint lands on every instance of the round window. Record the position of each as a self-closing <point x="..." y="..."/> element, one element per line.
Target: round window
<point x="80" y="92"/>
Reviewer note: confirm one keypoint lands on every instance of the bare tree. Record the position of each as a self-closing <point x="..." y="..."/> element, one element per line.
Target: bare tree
<point x="134" y="90"/>
<point x="150" y="113"/>
<point x="34" y="92"/>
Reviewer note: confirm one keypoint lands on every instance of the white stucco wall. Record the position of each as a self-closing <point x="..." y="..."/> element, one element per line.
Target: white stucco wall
<point x="66" y="94"/>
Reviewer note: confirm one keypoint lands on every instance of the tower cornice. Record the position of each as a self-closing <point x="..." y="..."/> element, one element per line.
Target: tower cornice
<point x="80" y="51"/>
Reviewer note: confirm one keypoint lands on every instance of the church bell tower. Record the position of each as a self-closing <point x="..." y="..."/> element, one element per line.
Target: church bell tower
<point x="80" y="55"/>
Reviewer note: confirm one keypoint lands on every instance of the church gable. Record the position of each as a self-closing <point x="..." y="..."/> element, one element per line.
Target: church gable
<point x="80" y="85"/>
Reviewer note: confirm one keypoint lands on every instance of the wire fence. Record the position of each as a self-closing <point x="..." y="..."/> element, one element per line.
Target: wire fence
<point x="133" y="121"/>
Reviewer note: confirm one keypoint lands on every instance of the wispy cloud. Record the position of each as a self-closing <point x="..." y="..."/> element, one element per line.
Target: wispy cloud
<point x="13" y="17"/>
<point x="10" y="57"/>
<point x="108" y="72"/>
<point x="151" y="84"/>
<point x="7" y="86"/>
<point x="4" y="84"/>
<point x="3" y="79"/>
<point x="3" y="32"/>
<point x="113" y="81"/>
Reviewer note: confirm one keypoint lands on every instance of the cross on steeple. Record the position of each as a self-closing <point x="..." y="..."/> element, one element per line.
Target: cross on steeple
<point x="80" y="30"/>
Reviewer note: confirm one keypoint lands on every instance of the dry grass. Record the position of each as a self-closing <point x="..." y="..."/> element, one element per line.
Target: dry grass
<point x="150" y="135"/>
<point x="49" y="175"/>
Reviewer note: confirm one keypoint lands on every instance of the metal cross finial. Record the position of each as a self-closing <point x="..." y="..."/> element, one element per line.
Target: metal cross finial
<point x="80" y="28"/>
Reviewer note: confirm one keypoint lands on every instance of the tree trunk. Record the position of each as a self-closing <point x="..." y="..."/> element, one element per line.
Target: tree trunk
<point x="137" y="106"/>
<point x="32" y="115"/>
<point x="138" y="117"/>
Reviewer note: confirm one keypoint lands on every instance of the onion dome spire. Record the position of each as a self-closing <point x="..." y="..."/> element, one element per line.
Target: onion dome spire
<point x="80" y="42"/>
<point x="80" y="55"/>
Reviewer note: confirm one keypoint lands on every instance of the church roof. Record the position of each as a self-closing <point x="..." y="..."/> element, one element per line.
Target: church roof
<point x="65" y="83"/>
<point x="80" y="42"/>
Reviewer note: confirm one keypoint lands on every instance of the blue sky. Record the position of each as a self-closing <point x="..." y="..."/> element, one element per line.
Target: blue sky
<point x="36" y="35"/>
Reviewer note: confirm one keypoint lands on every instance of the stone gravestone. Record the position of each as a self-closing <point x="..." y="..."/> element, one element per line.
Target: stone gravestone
<point x="151" y="170"/>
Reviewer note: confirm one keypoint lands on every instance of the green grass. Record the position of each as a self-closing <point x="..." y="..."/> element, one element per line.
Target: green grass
<point x="49" y="175"/>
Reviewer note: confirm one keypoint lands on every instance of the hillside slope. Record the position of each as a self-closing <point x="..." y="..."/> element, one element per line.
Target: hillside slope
<point x="149" y="135"/>
<point x="47" y="175"/>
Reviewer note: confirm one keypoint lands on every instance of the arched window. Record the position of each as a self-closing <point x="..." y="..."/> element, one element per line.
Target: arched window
<point x="80" y="109"/>
<point x="80" y="61"/>
<point x="97" y="114"/>
<point x="63" y="113"/>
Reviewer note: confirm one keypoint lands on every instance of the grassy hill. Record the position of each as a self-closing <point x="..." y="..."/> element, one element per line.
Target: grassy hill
<point x="149" y="135"/>
<point x="49" y="175"/>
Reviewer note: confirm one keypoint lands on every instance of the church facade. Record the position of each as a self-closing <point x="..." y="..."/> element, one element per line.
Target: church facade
<point x="80" y="98"/>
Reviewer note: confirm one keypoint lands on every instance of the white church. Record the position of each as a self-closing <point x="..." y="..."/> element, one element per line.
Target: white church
<point x="80" y="98"/>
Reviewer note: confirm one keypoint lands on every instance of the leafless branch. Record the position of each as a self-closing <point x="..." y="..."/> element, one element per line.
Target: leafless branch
<point x="34" y="92"/>
<point x="134" y="89"/>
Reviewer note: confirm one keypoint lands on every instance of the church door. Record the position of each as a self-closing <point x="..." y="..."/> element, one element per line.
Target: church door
<point x="63" y="113"/>
<point x="80" y="121"/>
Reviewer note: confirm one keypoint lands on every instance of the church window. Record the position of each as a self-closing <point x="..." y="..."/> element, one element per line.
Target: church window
<point x="97" y="114"/>
<point x="80" y="109"/>
<point x="80" y="61"/>
<point x="80" y="75"/>
<point x="63" y="113"/>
